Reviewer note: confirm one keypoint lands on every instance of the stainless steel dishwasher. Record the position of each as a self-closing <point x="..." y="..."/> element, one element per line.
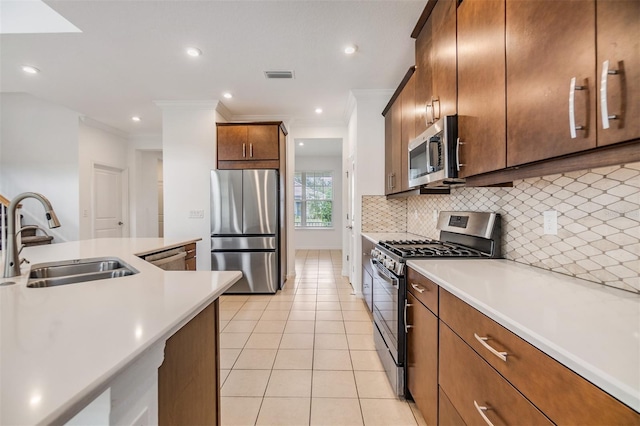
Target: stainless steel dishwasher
<point x="169" y="260"/>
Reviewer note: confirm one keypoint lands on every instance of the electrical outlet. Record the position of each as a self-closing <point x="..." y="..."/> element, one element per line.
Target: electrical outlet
<point x="85" y="213"/>
<point x="415" y="213"/>
<point x="196" y="214"/>
<point x="435" y="215"/>
<point x="550" y="222"/>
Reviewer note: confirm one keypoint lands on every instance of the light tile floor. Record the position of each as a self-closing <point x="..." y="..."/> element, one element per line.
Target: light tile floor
<point x="305" y="356"/>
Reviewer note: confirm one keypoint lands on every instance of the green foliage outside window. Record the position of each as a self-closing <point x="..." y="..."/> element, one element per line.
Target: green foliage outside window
<point x="313" y="199"/>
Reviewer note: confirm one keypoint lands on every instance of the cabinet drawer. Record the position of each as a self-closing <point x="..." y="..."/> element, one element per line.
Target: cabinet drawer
<point x="423" y="289"/>
<point x="471" y="383"/>
<point x="564" y="396"/>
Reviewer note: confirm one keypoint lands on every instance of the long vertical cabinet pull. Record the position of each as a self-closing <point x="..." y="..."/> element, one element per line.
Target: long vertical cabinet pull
<point x="251" y="150"/>
<point x="459" y="165"/>
<point x="244" y="150"/>
<point x="604" y="107"/>
<point x="572" y="109"/>
<point x="406" y="326"/>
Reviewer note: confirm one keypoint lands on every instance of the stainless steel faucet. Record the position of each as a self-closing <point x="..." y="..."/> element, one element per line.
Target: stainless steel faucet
<point x="12" y="259"/>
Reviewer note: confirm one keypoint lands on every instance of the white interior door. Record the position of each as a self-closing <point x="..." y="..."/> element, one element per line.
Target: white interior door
<point x="107" y="202"/>
<point x="350" y="221"/>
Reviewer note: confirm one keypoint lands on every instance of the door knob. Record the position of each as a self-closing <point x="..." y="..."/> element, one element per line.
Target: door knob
<point x="349" y="227"/>
<point x="120" y="223"/>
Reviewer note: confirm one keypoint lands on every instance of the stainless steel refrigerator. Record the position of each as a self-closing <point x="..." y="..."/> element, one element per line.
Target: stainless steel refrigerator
<point x="244" y="228"/>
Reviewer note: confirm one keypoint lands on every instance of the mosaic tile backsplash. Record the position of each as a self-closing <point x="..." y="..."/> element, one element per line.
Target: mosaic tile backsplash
<point x="598" y="221"/>
<point x="382" y="215"/>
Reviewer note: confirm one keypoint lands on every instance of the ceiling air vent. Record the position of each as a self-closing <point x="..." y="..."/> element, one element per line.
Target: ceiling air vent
<point x="278" y="74"/>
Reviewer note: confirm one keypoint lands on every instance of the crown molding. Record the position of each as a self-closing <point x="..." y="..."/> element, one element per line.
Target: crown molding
<point x="104" y="127"/>
<point x="250" y="118"/>
<point x="224" y="111"/>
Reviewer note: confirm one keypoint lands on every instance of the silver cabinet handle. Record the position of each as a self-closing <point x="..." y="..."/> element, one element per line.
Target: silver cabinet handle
<point x="459" y="165"/>
<point x="389" y="181"/>
<point x="251" y="150"/>
<point x="428" y="107"/>
<point x="393" y="180"/>
<point x="483" y="342"/>
<point x="572" y="110"/>
<point x="433" y="102"/>
<point x="481" y="409"/>
<point x="604" y="107"/>
<point x="244" y="149"/>
<point x="417" y="288"/>
<point x="406" y="326"/>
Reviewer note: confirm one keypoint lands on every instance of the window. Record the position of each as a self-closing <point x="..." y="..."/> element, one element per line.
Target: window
<point x="313" y="198"/>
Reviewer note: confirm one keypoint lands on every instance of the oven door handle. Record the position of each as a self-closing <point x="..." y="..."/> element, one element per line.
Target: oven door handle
<point x="376" y="266"/>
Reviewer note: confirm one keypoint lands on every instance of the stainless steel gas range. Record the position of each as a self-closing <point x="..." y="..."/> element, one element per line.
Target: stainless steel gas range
<point x="471" y="235"/>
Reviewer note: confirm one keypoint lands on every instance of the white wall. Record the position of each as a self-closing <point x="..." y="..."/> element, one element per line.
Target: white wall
<point x="366" y="133"/>
<point x="301" y="131"/>
<point x="142" y="171"/>
<point x="189" y="154"/>
<point x="323" y="238"/>
<point x="99" y="145"/>
<point x="39" y="143"/>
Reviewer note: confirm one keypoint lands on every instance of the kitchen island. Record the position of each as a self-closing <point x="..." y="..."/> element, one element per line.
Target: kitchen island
<point x="61" y="347"/>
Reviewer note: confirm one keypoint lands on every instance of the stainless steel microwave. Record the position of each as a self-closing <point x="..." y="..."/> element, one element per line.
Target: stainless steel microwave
<point x="433" y="156"/>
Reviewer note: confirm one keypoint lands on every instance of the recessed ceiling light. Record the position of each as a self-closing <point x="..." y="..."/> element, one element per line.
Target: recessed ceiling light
<point x="135" y="118"/>
<point x="301" y="144"/>
<point x="228" y="95"/>
<point x="30" y="70"/>
<point x="318" y="110"/>
<point x="351" y="49"/>
<point x="194" y="51"/>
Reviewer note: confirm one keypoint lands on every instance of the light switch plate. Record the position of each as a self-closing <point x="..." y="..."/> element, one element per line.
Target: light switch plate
<point x="196" y="214"/>
<point x="550" y="222"/>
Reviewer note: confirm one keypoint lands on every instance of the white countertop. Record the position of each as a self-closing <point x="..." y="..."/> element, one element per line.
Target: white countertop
<point x="60" y="346"/>
<point x="592" y="329"/>
<point x="374" y="237"/>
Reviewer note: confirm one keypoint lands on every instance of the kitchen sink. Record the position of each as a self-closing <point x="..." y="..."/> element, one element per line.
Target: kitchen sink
<point x="78" y="270"/>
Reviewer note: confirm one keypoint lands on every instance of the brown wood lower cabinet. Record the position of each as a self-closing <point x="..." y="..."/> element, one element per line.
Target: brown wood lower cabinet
<point x="422" y="358"/>
<point x="188" y="380"/>
<point x="564" y="396"/>
<point x="190" y="259"/>
<point x="479" y="394"/>
<point x="447" y="414"/>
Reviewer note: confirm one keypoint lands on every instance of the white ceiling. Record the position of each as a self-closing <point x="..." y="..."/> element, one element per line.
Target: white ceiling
<point x="131" y="53"/>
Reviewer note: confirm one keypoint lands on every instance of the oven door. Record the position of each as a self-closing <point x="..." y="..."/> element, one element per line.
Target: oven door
<point x="386" y="289"/>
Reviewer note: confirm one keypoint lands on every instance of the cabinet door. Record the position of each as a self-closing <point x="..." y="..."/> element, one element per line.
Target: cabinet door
<point x="408" y="131"/>
<point x="444" y="93"/>
<point x="618" y="23"/>
<point x="422" y="358"/>
<point x="481" y="86"/>
<point x="232" y="143"/>
<point x="393" y="144"/>
<point x="423" y="75"/>
<point x="548" y="44"/>
<point x="263" y="142"/>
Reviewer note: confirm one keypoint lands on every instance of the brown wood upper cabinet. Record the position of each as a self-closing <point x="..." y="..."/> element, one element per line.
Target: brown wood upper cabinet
<point x="249" y="145"/>
<point x="436" y="88"/>
<point x="618" y="72"/>
<point x="481" y="86"/>
<point x="550" y="78"/>
<point x="399" y="116"/>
